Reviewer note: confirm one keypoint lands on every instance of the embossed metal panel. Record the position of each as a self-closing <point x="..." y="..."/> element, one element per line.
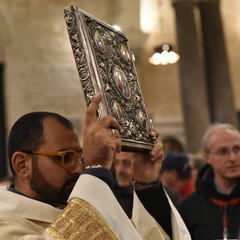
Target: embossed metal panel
<point x="105" y="64"/>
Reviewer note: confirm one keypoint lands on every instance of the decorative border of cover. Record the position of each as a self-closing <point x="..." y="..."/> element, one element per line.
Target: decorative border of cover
<point x="105" y="65"/>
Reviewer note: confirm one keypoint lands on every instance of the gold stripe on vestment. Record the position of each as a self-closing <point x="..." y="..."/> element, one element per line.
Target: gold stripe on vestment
<point x="80" y="221"/>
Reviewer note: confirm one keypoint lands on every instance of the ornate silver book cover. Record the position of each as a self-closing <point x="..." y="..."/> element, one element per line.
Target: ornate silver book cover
<point x="105" y="64"/>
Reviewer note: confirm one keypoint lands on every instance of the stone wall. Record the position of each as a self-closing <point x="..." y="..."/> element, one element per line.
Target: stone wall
<point x="40" y="72"/>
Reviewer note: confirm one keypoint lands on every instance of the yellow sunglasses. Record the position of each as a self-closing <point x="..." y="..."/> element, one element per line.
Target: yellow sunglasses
<point x="68" y="158"/>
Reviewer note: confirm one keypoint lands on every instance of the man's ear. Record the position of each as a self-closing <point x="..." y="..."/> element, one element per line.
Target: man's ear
<point x="21" y="164"/>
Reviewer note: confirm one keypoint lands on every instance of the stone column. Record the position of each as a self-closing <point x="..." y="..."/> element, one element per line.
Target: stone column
<point x="192" y="74"/>
<point x="216" y="63"/>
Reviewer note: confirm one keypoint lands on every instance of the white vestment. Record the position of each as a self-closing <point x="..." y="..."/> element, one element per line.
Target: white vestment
<point x="27" y="219"/>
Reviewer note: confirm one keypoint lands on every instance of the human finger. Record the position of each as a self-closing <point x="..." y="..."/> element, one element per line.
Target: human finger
<point x="110" y="122"/>
<point x="154" y="134"/>
<point x="115" y="133"/>
<point x="157" y="150"/>
<point x="91" y="113"/>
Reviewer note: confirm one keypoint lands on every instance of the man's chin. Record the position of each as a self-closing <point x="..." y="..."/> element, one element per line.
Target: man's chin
<point x="124" y="185"/>
<point x="69" y="187"/>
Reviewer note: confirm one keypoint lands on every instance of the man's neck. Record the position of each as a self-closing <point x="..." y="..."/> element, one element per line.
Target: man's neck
<point x="224" y="187"/>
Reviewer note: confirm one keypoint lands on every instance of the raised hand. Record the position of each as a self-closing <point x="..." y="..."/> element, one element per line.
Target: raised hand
<point x="146" y="165"/>
<point x="101" y="138"/>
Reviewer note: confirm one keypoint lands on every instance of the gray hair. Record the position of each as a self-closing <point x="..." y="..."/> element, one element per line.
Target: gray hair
<point x="213" y="128"/>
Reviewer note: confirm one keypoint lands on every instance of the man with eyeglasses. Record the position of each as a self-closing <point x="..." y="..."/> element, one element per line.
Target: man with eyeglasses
<point x="213" y="211"/>
<point x="63" y="190"/>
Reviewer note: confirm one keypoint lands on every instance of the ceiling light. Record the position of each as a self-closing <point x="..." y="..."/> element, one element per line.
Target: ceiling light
<point x="164" y="55"/>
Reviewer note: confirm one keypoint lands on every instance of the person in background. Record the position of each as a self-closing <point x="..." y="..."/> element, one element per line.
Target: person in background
<point x="175" y="173"/>
<point x="196" y="162"/>
<point x="213" y="210"/>
<point x="174" y="196"/>
<point x="123" y="188"/>
<point x="63" y="190"/>
<point x="172" y="144"/>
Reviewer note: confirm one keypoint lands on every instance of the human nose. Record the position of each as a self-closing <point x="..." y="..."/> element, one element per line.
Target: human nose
<point x="232" y="154"/>
<point x="77" y="167"/>
<point x="120" y="168"/>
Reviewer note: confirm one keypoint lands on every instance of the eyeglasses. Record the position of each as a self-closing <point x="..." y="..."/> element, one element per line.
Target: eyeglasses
<point x="67" y="158"/>
<point x="224" y="151"/>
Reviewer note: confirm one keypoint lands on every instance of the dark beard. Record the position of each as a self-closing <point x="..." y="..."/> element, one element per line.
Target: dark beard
<point x="48" y="193"/>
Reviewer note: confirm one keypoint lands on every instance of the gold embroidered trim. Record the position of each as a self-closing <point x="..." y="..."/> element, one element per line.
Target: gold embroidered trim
<point x="80" y="221"/>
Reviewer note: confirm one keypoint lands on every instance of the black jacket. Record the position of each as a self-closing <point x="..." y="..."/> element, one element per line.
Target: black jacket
<point x="203" y="212"/>
<point x="125" y="199"/>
